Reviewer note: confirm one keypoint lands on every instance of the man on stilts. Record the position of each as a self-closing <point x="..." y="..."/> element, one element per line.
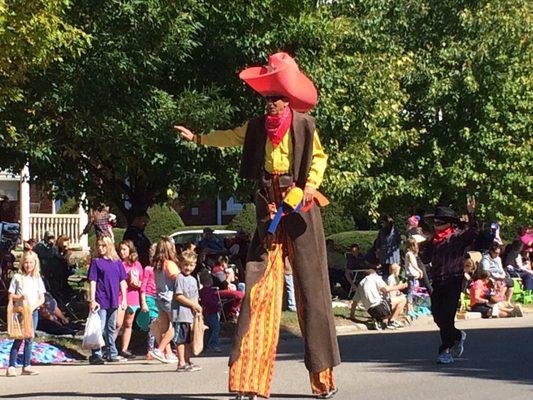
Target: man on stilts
<point x="281" y="151"/>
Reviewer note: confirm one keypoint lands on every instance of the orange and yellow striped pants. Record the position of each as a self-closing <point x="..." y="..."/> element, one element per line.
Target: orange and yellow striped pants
<point x="252" y="371"/>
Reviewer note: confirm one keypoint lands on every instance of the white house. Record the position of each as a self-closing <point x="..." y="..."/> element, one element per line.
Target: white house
<point x="25" y="203"/>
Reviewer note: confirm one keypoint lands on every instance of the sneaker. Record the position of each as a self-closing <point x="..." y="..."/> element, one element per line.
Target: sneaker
<point x="397" y="324"/>
<point x="159" y="356"/>
<point x="390" y="326"/>
<point x="171" y="358"/>
<point x="117" y="359"/>
<point x="96" y="360"/>
<point x="29" y="371"/>
<point x="127" y="354"/>
<point x="328" y="395"/>
<point x="182" y="368"/>
<point x="458" y="348"/>
<point x="11" y="372"/>
<point x="445" y="358"/>
<point x="193" y="368"/>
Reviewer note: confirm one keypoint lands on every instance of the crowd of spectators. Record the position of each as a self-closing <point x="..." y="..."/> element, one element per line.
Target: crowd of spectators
<point x="392" y="290"/>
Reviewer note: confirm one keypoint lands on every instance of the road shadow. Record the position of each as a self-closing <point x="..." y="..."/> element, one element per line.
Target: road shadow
<point x="137" y="396"/>
<point x="502" y="354"/>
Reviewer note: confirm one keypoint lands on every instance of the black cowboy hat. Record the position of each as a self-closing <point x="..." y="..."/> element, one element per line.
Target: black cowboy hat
<point x="444" y="214"/>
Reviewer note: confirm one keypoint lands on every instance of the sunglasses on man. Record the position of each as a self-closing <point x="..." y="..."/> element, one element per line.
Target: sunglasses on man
<point x="439" y="222"/>
<point x="273" y="99"/>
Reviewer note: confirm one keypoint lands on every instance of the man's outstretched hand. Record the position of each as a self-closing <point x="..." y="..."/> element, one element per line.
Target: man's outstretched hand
<point x="185" y="133"/>
<point x="471" y="205"/>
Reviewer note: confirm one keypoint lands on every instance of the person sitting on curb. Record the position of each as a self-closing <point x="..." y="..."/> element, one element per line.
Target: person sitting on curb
<point x="484" y="301"/>
<point x="372" y="293"/>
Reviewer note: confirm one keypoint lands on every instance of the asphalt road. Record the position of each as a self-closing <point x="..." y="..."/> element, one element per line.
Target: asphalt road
<point x="497" y="364"/>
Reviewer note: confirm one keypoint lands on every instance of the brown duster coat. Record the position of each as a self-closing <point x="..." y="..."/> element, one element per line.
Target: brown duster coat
<point x="305" y="230"/>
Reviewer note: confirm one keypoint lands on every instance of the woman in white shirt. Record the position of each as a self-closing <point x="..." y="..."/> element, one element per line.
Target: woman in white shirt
<point x="26" y="287"/>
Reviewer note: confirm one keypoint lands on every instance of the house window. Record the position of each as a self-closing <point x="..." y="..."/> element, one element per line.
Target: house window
<point x="232" y="207"/>
<point x="194" y="211"/>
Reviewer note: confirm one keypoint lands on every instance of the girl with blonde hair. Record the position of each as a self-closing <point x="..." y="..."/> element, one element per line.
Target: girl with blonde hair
<point x="414" y="273"/>
<point x="165" y="272"/>
<point x="26" y="287"/>
<point x="107" y="278"/>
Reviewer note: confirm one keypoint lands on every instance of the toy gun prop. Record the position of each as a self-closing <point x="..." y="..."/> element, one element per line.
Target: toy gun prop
<point x="293" y="203"/>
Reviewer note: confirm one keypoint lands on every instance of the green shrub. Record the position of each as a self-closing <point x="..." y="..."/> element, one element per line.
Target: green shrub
<point x="118" y="232"/>
<point x="70" y="206"/>
<point x="164" y="220"/>
<point x="245" y="220"/>
<point x="336" y="219"/>
<point x="344" y="240"/>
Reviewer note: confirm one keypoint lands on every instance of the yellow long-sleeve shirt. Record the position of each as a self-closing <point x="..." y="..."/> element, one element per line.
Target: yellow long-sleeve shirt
<point x="277" y="159"/>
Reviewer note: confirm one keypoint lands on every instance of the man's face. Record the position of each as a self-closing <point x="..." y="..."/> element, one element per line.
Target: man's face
<point x="495" y="253"/>
<point x="50" y="240"/>
<point x="276" y="104"/>
<point x="441" y="225"/>
<point x="355" y="251"/>
<point x="141" y="222"/>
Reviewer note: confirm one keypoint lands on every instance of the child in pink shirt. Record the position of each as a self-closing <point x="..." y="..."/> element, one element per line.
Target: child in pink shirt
<point x="134" y="279"/>
<point x="148" y="295"/>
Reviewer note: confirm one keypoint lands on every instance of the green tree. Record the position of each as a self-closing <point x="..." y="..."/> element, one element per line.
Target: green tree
<point x="470" y="98"/>
<point x="33" y="35"/>
<point x="418" y="98"/>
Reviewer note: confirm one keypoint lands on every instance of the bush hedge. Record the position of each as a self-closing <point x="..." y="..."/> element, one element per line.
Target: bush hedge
<point x="70" y="206"/>
<point x="118" y="232"/>
<point x="344" y="240"/>
<point x="164" y="220"/>
<point x="245" y="220"/>
<point x="336" y="219"/>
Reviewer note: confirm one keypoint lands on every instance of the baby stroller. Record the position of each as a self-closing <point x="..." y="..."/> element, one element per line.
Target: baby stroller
<point x="9" y="238"/>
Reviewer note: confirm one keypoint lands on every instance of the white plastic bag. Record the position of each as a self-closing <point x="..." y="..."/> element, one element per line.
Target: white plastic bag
<point x="92" y="338"/>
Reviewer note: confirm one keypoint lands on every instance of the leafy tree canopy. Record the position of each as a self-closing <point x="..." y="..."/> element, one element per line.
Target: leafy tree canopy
<point x="419" y="100"/>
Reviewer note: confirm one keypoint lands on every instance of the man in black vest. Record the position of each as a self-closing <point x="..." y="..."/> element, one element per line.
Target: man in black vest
<point x="281" y="150"/>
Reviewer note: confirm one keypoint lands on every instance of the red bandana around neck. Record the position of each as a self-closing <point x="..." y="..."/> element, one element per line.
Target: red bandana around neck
<point x="441" y="235"/>
<point x="277" y="125"/>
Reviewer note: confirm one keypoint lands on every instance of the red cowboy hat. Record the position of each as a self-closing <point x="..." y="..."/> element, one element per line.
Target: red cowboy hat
<point x="282" y="77"/>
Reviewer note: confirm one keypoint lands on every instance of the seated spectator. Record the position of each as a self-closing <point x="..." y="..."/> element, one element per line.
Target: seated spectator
<point x="525" y="235"/>
<point x="394" y="280"/>
<point x="484" y="301"/>
<point x="515" y="265"/>
<point x="371" y="293"/>
<point x="355" y="261"/>
<point x="52" y="320"/>
<point x="210" y="309"/>
<point x="218" y="271"/>
<point x="231" y="297"/>
<point x="232" y="301"/>
<point x="336" y="268"/>
<point x="54" y="267"/>
<point x="211" y="244"/>
<point x="232" y="281"/>
<point x="67" y="265"/>
<point x="492" y="263"/>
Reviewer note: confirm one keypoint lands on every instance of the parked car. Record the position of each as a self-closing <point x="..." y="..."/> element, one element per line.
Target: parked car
<point x="195" y="235"/>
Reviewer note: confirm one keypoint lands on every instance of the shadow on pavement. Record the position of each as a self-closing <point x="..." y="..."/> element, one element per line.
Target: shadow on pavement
<point x="498" y="354"/>
<point x="137" y="396"/>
